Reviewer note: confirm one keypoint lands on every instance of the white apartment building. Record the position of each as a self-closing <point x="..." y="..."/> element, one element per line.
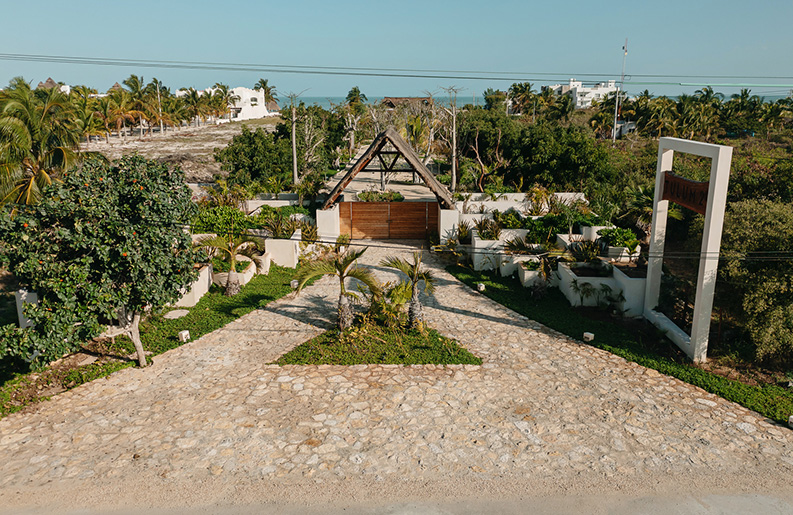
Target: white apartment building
<point x="582" y="96"/>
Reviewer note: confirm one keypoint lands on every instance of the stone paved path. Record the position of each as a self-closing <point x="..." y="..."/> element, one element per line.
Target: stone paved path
<point x="541" y="406"/>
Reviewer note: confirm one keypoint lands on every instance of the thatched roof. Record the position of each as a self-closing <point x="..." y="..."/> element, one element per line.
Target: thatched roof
<point x="402" y="148"/>
<point x="272" y="106"/>
<point x="115" y="87"/>
<point x="393" y="102"/>
<point x="48" y="84"/>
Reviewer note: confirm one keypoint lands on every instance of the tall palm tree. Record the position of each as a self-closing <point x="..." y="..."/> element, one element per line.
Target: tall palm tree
<point x="195" y="105"/>
<point x="562" y="108"/>
<point x="138" y="101"/>
<point x="344" y="267"/>
<point x="38" y="140"/>
<point x="270" y="94"/>
<point x="414" y="275"/>
<point x="522" y="96"/>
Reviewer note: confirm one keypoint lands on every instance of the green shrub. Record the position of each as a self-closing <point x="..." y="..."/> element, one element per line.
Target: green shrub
<point x="617" y="236"/>
<point x="220" y="220"/>
<point x="488" y="229"/>
<point x="508" y="219"/>
<point x="380" y="196"/>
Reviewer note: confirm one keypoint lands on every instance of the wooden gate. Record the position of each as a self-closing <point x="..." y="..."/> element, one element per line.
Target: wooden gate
<point x="388" y="220"/>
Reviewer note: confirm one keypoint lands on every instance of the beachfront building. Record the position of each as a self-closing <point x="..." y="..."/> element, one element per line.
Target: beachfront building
<point x="248" y="104"/>
<point x="49" y="84"/>
<point x="251" y="105"/>
<point x="583" y="96"/>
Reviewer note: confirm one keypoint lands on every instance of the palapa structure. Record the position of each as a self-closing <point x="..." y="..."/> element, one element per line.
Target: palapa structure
<point x="388" y="159"/>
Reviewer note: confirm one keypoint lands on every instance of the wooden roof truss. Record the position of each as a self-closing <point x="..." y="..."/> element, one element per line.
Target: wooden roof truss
<point x="388" y="159"/>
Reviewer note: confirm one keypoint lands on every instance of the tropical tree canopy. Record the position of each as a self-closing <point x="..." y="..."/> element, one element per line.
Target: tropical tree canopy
<point x="101" y="246"/>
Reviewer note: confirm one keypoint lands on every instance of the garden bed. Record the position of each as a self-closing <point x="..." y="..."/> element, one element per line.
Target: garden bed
<point x="101" y="357"/>
<point x="371" y="344"/>
<point x="639" y="342"/>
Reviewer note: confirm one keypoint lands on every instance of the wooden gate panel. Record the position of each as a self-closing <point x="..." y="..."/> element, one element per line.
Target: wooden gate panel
<point x="370" y="220"/>
<point x="409" y="220"/>
<point x="388" y="220"/>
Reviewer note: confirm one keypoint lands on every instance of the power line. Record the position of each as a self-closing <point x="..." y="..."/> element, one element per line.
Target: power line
<point x="535" y="76"/>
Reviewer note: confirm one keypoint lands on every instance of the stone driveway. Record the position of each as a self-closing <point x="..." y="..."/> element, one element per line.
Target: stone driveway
<point x="541" y="407"/>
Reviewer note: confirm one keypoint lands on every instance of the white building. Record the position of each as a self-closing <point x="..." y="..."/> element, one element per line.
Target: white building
<point x="249" y="104"/>
<point x="583" y="97"/>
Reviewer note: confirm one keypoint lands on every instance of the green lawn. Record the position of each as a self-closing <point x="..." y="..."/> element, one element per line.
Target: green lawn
<point x="212" y="312"/>
<point x="553" y="310"/>
<point x="371" y="344"/>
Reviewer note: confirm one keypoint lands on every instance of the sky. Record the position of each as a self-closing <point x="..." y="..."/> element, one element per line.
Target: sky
<point x="506" y="42"/>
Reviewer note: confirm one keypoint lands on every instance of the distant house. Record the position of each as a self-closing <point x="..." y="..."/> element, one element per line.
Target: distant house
<point x="49" y="84"/>
<point x="394" y="102"/>
<point x="248" y="106"/>
<point x="583" y="96"/>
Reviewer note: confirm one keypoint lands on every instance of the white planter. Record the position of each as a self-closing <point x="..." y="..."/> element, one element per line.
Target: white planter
<point x="512" y="234"/>
<point x="591" y="232"/>
<point x="486" y="254"/>
<point x="511" y="263"/>
<point x="200" y="286"/>
<point x="619" y="254"/>
<point x="221" y="278"/>
<point x="566" y="286"/>
<point x="284" y="252"/>
<point x="529" y="277"/>
<point x="633" y="292"/>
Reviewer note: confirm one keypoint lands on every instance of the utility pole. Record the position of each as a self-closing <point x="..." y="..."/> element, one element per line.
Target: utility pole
<point x="617" y="99"/>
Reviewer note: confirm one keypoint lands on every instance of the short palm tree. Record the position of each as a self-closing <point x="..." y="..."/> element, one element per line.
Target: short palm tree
<point x="343" y="266"/>
<point x="231" y="246"/>
<point x="414" y="275"/>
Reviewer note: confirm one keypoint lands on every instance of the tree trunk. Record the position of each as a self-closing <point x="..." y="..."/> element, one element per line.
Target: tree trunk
<point x="415" y="314"/>
<point x="134" y="335"/>
<point x="345" y="312"/>
<point x="233" y="285"/>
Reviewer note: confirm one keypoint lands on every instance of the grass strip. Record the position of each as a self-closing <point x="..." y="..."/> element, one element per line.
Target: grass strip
<point x="369" y="345"/>
<point x="158" y="334"/>
<point x="553" y="310"/>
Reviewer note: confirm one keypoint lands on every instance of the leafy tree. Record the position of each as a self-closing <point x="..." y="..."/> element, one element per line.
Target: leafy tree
<point x="103" y="245"/>
<point x="757" y="236"/>
<point x="344" y="267"/>
<point x="494" y="99"/>
<point x="255" y="156"/>
<point x="414" y="275"/>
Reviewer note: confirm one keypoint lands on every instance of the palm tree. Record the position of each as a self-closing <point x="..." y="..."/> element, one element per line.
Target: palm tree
<point x="342" y="266"/>
<point x="522" y="96"/>
<point x="414" y="275"/>
<point x="195" y="105"/>
<point x="355" y="97"/>
<point x="232" y="245"/>
<point x="270" y="94"/>
<point x="138" y="102"/>
<point x="562" y="108"/>
<point x="639" y="207"/>
<point x="38" y="140"/>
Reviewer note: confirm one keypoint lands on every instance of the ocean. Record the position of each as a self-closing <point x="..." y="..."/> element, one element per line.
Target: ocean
<point x="328" y="102"/>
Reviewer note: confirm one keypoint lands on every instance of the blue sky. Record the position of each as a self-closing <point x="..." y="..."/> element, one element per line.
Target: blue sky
<point x="567" y="39"/>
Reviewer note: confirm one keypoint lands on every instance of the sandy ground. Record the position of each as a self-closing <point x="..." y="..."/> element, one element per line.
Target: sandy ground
<point x="191" y="148"/>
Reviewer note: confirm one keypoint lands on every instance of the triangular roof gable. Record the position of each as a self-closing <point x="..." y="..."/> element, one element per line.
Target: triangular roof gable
<point x="392" y="136"/>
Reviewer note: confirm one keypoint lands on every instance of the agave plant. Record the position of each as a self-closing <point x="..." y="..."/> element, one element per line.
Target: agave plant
<point x="343" y="266"/>
<point x="488" y="229"/>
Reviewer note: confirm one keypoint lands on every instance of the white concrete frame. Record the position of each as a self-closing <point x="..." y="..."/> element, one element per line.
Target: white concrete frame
<point x="696" y="344"/>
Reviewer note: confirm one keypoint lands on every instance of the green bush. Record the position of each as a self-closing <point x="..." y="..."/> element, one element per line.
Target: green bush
<point x="380" y="196"/>
<point x="508" y="219"/>
<point x="617" y="236"/>
<point x="220" y="220"/>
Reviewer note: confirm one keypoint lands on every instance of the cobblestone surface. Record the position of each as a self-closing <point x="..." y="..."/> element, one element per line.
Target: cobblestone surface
<point x="541" y="405"/>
